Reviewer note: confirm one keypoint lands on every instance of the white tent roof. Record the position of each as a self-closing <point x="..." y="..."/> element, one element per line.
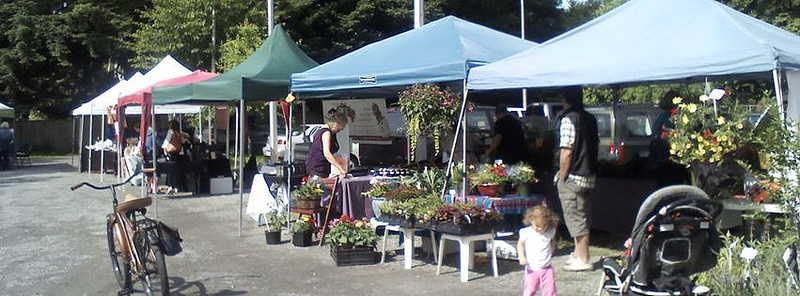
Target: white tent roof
<point x="648" y="41"/>
<point x="167" y="68"/>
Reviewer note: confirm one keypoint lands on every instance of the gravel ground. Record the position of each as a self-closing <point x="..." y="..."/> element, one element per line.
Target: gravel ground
<point x="53" y="243"/>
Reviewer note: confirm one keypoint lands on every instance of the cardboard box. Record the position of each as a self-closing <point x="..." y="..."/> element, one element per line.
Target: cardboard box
<point x="223" y="185"/>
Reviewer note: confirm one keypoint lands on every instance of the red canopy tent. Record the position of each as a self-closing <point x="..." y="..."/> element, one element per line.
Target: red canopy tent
<point x="144" y="97"/>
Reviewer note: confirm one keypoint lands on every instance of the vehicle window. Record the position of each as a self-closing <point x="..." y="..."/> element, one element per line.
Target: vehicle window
<point x="479" y="120"/>
<point x="603" y="125"/>
<point x="397" y="124"/>
<point x="638" y="125"/>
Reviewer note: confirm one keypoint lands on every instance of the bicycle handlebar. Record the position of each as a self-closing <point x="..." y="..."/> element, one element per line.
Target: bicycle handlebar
<point x="95" y="187"/>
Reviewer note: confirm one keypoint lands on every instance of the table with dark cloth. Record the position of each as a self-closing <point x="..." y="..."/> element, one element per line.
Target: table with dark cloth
<point x="506" y="205"/>
<point x="109" y="160"/>
<point x="351" y="202"/>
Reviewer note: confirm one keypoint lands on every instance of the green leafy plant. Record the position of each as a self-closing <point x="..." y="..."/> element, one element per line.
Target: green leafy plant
<point x="429" y="110"/>
<point x="347" y="232"/>
<point x="303" y="224"/>
<point x="403" y="193"/>
<point x="312" y="189"/>
<point x="378" y="189"/>
<point x="429" y="179"/>
<point x="274" y="221"/>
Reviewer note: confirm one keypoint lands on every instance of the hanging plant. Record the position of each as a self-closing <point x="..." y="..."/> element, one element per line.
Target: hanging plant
<point x="429" y="110"/>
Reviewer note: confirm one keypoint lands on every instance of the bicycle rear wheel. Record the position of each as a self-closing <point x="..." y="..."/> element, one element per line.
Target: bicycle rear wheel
<point x="119" y="266"/>
<point x="155" y="280"/>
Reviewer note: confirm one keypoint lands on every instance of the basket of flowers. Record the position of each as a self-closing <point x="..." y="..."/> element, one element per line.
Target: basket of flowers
<point x="489" y="179"/>
<point x="352" y="242"/>
<point x="309" y="194"/>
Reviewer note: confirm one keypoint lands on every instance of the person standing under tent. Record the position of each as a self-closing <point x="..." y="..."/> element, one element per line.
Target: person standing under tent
<point x="578" y="144"/>
<point x="173" y="148"/>
<point x="6" y="146"/>
<point x="666" y="171"/>
<point x="508" y="143"/>
<point x="324" y="145"/>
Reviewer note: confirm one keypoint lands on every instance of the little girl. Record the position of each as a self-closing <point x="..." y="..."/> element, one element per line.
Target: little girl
<point x="535" y="250"/>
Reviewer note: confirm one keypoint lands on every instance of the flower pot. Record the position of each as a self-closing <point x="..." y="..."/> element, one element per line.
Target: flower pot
<point x="353" y="256"/>
<point x="273" y="237"/>
<point x="524" y="189"/>
<point x="490" y="190"/>
<point x="308" y="204"/>
<point x="376" y="206"/>
<point x="302" y="239"/>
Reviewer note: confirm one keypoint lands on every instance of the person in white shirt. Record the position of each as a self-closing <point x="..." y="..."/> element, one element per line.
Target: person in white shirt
<point x="535" y="249"/>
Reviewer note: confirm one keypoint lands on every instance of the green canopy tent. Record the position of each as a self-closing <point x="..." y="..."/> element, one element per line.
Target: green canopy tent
<point x="263" y="76"/>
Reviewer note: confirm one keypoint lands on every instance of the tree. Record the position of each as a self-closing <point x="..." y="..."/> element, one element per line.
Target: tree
<point x="183" y="28"/>
<point x="55" y="54"/>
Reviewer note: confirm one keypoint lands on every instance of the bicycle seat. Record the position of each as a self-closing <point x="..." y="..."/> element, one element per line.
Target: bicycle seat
<point x="133" y="203"/>
<point x="148" y="170"/>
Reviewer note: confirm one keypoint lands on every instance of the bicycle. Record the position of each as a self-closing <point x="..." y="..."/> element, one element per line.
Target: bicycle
<point x="134" y="242"/>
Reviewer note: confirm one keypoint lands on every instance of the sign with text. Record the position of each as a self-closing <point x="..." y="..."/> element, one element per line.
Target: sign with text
<point x="366" y="118"/>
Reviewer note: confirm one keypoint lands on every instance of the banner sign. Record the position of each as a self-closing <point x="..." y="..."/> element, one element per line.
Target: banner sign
<point x="366" y="118"/>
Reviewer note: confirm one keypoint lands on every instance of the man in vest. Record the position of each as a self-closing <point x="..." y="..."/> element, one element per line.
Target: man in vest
<point x="578" y="144"/>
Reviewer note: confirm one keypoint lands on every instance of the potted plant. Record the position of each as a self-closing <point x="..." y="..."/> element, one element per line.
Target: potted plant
<point x="398" y="206"/>
<point x="302" y="230"/>
<point x="377" y="194"/>
<point x="309" y="194"/>
<point x="274" y="222"/>
<point x="429" y="110"/>
<point x="489" y="179"/>
<point x="523" y="176"/>
<point x="352" y="242"/>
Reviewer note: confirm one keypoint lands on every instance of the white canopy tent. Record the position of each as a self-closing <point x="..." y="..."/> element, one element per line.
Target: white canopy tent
<point x="167" y="68"/>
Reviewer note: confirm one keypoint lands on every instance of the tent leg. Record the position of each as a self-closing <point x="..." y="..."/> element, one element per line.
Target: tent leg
<point x="72" y="162"/>
<point x="461" y="115"/>
<point x="228" y="133"/>
<point x="289" y="163"/>
<point x="241" y="161"/>
<point x="102" y="152"/>
<point x="155" y="147"/>
<point x="91" y="135"/>
<point x="776" y="79"/>
<point x="80" y="145"/>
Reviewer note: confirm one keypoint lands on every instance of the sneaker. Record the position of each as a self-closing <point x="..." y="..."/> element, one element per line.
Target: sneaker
<point x="578" y="266"/>
<point x="572" y="258"/>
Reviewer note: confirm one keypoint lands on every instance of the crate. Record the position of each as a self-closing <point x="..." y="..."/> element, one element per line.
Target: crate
<point x="357" y="256"/>
<point x="222" y="185"/>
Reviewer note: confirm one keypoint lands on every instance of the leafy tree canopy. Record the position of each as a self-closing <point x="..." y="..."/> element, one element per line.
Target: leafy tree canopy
<point x="56" y="54"/>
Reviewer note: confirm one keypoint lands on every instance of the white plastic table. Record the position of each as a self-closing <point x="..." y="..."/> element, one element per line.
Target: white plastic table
<point x="467" y="252"/>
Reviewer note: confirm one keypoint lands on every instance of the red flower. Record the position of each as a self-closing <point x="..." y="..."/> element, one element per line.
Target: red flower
<point x="305" y="179"/>
<point x="673" y="111"/>
<point x="714" y="139"/>
<point x="706" y="133"/>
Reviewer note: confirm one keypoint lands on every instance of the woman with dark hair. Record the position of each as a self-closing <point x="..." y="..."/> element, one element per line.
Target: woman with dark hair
<point x="666" y="171"/>
<point x="173" y="148"/>
<point x="323" y="147"/>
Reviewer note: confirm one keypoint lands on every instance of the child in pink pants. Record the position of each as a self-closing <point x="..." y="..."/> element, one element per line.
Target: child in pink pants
<point x="535" y="251"/>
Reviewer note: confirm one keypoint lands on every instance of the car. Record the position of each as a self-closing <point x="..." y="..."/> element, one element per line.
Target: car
<point x="625" y="129"/>
<point x="297" y="138"/>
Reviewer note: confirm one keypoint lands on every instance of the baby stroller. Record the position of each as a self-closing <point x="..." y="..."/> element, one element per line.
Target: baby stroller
<point x="673" y="238"/>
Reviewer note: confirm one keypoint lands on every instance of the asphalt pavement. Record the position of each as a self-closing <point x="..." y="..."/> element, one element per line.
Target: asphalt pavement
<point x="53" y="242"/>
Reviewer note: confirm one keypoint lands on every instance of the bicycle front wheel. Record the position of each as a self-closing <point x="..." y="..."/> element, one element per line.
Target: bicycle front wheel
<point x="155" y="280"/>
<point x="120" y="268"/>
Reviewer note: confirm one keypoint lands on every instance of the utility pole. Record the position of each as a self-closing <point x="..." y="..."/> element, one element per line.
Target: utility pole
<point x="419" y="13"/>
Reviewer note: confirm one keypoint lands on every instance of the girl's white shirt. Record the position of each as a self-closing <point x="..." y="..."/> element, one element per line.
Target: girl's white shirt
<point x="538" y="247"/>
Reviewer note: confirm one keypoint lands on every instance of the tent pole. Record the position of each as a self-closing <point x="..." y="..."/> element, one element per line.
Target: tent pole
<point x="200" y="124"/>
<point x="241" y="161"/>
<point x="155" y="148"/>
<point x="73" y="141"/>
<point x="290" y="165"/>
<point x="236" y="150"/>
<point x="91" y="135"/>
<point x="80" y="145"/>
<point x="228" y="132"/>
<point x="210" y="130"/>
<point x="450" y="165"/>
<point x="102" y="152"/>
<point x="464" y="146"/>
<point x="776" y="79"/>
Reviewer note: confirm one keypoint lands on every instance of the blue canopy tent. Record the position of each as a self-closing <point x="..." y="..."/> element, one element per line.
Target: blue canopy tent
<point x="646" y="41"/>
<point x="442" y="51"/>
